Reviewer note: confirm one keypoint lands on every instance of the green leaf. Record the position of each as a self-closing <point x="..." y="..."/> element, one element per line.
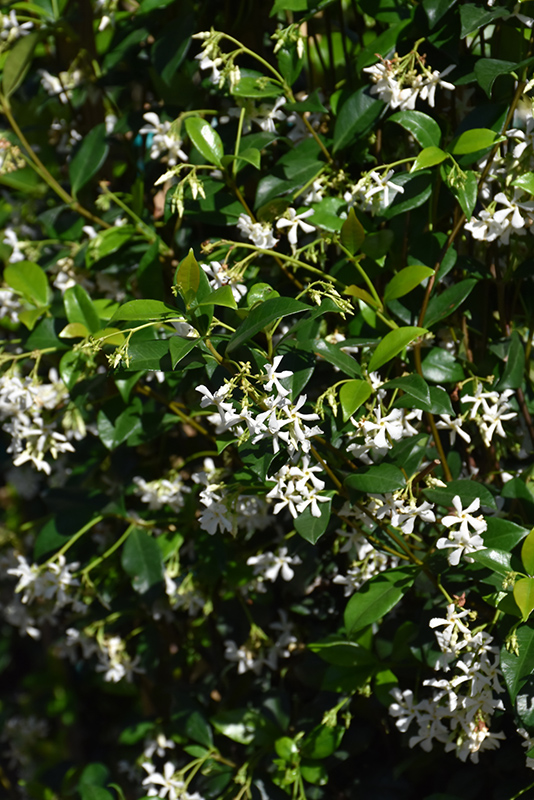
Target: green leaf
<point x="516" y="669"/>
<point x="444" y="304"/>
<point x="378" y="479"/>
<point x="440" y="365"/>
<point x="406" y="280"/>
<point x="18" y="62"/>
<point x="249" y="156"/>
<point x="108" y="242"/>
<point x="498" y="561"/>
<point x="113" y="433"/>
<point x="322" y="741"/>
<point x="288" y="5"/>
<point x="466" y="490"/>
<point x="475" y="17"/>
<point x="356" y="117"/>
<point x="95" y="774"/>
<point x="343" y="653"/>
<point x="153" y="355"/>
<point x="417" y="189"/>
<point x="187" y="277"/>
<point x="352" y="395"/>
<point x="413" y="385"/>
<point x="179" y="348"/>
<point x="198" y="728"/>
<point x="474" y="140"/>
<point x="503" y="534"/>
<point x="244" y="726"/>
<point x="312" y="528"/>
<point x="515" y="365"/>
<point x="525" y="182"/>
<point x="392" y="344"/>
<point x="524" y="596"/>
<point x="79" y="308"/>
<point x="335" y="355"/>
<point x="89" y="157"/>
<point x="429" y="157"/>
<point x="487" y="70"/>
<point x="206" y="140"/>
<point x="382" y="45"/>
<point x="422" y="127"/>
<point x="352" y="233"/>
<point x="377" y="596"/>
<point x="29" y="280"/>
<point x="141" y="310"/>
<point x="436" y="9"/>
<point x="527" y="553"/>
<point x="262" y="316"/>
<point x="89" y="792"/>
<point x="258" y="86"/>
<point x="141" y="560"/>
<point x="440" y="402"/>
<point x="223" y="296"/>
<point x="286" y="748"/>
<point x="466" y="193"/>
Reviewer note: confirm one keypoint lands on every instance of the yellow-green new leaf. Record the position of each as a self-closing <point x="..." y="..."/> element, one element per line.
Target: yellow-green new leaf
<point x="527" y="553"/>
<point x="392" y="344"/>
<point x="406" y="280"/>
<point x="524" y="596"/>
<point x="187" y="277"/>
<point x="352" y="395"/>
<point x="429" y="157"/>
<point x="352" y="233"/>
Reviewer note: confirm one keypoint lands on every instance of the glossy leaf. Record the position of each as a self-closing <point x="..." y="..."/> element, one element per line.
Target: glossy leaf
<point x="515" y="365"/>
<point x="356" y="116"/>
<point x="441" y="366"/>
<point x="392" y="344"/>
<point x="422" y="127"/>
<point x="322" y="741"/>
<point x="312" y="528"/>
<point x="79" y="308"/>
<point x="526" y="182"/>
<point x="18" y="62"/>
<point x="262" y="316"/>
<point x="223" y="296"/>
<point x="444" y="304"/>
<point x="404" y="281"/>
<point x="141" y="560"/>
<point x="141" y="310"/>
<point x="314" y="773"/>
<point x="467" y="491"/>
<point x="498" y="561"/>
<point x="524" y="596"/>
<point x="417" y="190"/>
<point x="527" y="553"/>
<point x="114" y="432"/>
<point x="343" y="653"/>
<point x="436" y="9"/>
<point x="206" y="140"/>
<point x="516" y="669"/>
<point x="503" y="534"/>
<point x="487" y="70"/>
<point x="250" y="86"/>
<point x="352" y="233"/>
<point x="29" y="280"/>
<point x="352" y="395"/>
<point x="413" y="385"/>
<point x="89" y="157"/>
<point x="107" y="242"/>
<point x="335" y="355"/>
<point x="179" y="348"/>
<point x="474" y="17"/>
<point x="377" y="596"/>
<point x="187" y="277"/>
<point x="466" y="191"/>
<point x="473" y="140"/>
<point x="377" y="479"/>
<point x="429" y="157"/>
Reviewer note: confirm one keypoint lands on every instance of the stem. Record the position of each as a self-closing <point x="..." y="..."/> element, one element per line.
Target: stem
<point x="432" y="423"/>
<point x="75" y="538"/>
<point x="173" y="406"/>
<point x="238" y="140"/>
<point x="109" y="551"/>
<point x="363" y="274"/>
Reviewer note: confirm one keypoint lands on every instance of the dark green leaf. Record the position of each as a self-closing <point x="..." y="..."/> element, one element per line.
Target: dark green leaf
<point x="88" y="792"/>
<point x="475" y="17"/>
<point x="515" y="365"/>
<point x="444" y="304"/>
<point x="436" y="9"/>
<point x="312" y="528"/>
<point x="223" y="296"/>
<point x="376" y="597"/>
<point x="322" y="741"/>
<point x="516" y="669"/>
<point x="503" y="534"/>
<point x="417" y="190"/>
<point x="466" y="192"/>
<point x="343" y="653"/>
<point x="89" y="157"/>
<point x="352" y="233"/>
<point x="487" y="70"/>
<point x="187" y="277"/>
<point x="382" y="45"/>
<point x="392" y="344"/>
<point x="378" y="479"/>
<point x="498" y="561"/>
<point x="440" y="365"/>
<point x="413" y="385"/>
<point x="258" y="87"/>
<point x="141" y="560"/>
<point x="466" y="490"/>
<point x="356" y="117"/>
<point x="425" y="129"/>
<point x="107" y="242"/>
<point x="179" y="348"/>
<point x="198" y="728"/>
<point x="517" y="489"/>
<point x="335" y="355"/>
<point x="18" y="62"/>
<point x="152" y="355"/>
<point x="440" y="402"/>
<point x="113" y="433"/>
<point x="206" y="139"/>
<point x="262" y="316"/>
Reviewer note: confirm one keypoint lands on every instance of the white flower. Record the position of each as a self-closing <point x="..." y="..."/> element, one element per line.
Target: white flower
<point x="171" y="787"/>
<point x="220" y="276"/>
<point x="13" y="29"/>
<point x="11" y="239"/>
<point x="294" y="221"/>
<point x="270" y="565"/>
<point x="274" y="377"/>
<point x="163" y="139"/>
<point x="260" y="233"/>
<point x="454" y="426"/>
<point x="464" y="518"/>
<point x="266" y="114"/>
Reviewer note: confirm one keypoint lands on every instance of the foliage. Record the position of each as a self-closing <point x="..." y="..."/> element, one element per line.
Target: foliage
<point x="266" y="399"/>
